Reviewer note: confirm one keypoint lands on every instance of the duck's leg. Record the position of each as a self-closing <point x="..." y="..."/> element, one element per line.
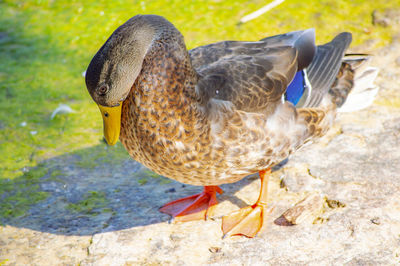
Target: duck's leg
<point x="249" y="221"/>
<point x="196" y="207"/>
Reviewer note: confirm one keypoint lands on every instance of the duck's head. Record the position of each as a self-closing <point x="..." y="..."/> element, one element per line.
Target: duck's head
<point x="115" y="67"/>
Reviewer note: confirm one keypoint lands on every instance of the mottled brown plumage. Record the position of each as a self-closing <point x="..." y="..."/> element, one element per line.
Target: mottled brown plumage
<point x="212" y="115"/>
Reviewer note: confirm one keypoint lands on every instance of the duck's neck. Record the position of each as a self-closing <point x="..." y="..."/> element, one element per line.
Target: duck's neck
<point x="167" y="70"/>
<point x="163" y="98"/>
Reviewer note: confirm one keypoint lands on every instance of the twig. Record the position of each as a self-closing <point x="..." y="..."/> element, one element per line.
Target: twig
<point x="261" y="11"/>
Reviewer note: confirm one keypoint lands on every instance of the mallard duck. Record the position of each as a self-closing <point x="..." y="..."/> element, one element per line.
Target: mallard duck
<point x="217" y="113"/>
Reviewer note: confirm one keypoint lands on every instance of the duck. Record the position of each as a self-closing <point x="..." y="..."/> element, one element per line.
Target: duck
<point x="216" y="113"/>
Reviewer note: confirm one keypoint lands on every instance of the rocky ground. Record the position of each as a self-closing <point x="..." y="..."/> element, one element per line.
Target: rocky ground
<point x="107" y="215"/>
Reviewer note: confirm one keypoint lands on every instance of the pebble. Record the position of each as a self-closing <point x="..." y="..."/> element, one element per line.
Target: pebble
<point x="214" y="249"/>
<point x="171" y="190"/>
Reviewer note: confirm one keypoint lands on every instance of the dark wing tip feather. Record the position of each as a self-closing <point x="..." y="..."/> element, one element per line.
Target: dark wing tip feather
<point x="306" y="48"/>
<point x="303" y="41"/>
<point x="325" y="66"/>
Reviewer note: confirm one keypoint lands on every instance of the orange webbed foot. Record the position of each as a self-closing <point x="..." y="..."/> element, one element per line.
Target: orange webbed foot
<point x="197" y="207"/>
<point x="250" y="220"/>
<point x="247" y="221"/>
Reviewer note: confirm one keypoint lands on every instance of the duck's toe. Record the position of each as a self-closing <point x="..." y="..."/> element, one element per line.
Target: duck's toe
<point x="196" y="207"/>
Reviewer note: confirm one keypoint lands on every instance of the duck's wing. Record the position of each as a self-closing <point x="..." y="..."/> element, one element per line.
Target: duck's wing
<point x="250" y="82"/>
<point x="303" y="41"/>
<point x="251" y="75"/>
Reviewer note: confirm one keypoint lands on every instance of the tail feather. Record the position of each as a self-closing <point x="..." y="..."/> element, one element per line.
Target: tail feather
<point x="343" y="84"/>
<point x="363" y="93"/>
<point x="354" y="87"/>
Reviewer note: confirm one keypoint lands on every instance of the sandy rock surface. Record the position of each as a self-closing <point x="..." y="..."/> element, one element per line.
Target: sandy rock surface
<point x="351" y="180"/>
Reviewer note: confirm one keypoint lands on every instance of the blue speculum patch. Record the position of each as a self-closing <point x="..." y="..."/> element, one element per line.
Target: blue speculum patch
<point x="296" y="88"/>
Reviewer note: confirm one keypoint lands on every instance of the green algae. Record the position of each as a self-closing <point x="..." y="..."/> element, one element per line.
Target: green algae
<point x="93" y="203"/>
<point x="18" y="195"/>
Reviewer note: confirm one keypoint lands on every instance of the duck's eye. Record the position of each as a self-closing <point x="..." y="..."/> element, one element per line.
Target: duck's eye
<point x="106" y="114"/>
<point x="102" y="90"/>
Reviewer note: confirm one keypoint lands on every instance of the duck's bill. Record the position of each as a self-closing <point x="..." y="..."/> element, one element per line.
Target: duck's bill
<point x="111" y="122"/>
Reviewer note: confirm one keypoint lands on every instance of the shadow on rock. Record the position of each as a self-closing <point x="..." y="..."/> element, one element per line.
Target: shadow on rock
<point x="97" y="189"/>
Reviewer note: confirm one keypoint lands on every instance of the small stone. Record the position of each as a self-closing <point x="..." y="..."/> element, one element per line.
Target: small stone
<point x="171" y="190"/>
<point x="282" y="183"/>
<point x="282" y="221"/>
<point x="378" y="19"/>
<point x="385" y="18"/>
<point x="305" y="211"/>
<point x="334" y="204"/>
<point x="376" y="221"/>
<point x="214" y="249"/>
